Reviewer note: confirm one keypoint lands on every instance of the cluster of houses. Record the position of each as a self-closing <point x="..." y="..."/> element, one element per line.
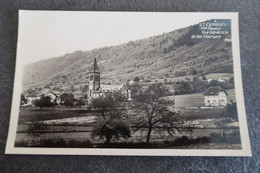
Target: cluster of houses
<point x="213" y="96"/>
<point x="54" y="95"/>
<point x="95" y="89"/>
<point x="221" y="80"/>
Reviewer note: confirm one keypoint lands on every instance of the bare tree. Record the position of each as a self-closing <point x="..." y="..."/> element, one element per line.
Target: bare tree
<point x="154" y="111"/>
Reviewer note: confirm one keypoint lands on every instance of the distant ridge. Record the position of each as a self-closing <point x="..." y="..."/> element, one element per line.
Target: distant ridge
<point x="154" y="57"/>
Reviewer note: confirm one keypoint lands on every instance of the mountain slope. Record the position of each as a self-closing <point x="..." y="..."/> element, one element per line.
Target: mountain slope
<point x="166" y="55"/>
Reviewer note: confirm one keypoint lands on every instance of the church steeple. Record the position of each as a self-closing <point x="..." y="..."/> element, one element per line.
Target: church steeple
<point x="95" y="67"/>
<point x="94" y="79"/>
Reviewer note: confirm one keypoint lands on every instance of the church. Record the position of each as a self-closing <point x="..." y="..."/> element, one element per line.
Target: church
<point x="96" y="90"/>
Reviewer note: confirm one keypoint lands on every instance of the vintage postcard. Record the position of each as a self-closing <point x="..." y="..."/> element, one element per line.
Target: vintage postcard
<point x="128" y="83"/>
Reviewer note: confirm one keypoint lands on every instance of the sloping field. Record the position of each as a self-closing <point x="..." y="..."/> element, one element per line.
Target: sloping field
<point x="196" y="100"/>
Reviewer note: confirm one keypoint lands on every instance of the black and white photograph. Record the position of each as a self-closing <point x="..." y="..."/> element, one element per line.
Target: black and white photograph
<point x="128" y="83"/>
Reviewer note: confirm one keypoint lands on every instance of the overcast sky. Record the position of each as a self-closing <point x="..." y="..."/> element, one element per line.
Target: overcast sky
<point x="47" y="34"/>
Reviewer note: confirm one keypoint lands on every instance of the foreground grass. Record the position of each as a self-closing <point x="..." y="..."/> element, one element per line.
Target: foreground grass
<point x="214" y="141"/>
<point x="27" y="115"/>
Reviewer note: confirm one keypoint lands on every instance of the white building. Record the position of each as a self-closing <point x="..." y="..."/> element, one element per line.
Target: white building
<point x="55" y="97"/>
<point x="215" y="96"/>
<point x="31" y="98"/>
<point x="221" y="80"/>
<point x="210" y="79"/>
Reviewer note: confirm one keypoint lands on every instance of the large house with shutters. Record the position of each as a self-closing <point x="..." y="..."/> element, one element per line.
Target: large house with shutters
<point x="215" y="96"/>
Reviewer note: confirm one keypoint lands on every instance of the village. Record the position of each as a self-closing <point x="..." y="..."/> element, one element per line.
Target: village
<point x="214" y="96"/>
<point x="50" y="114"/>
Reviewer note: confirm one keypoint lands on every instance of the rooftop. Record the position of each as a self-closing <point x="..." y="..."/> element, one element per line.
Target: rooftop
<point x="214" y="90"/>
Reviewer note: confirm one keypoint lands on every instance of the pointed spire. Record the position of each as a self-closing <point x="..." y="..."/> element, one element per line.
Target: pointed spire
<point x="95" y="66"/>
<point x="95" y="63"/>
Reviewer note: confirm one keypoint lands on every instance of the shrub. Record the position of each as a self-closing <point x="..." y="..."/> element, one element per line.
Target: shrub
<point x="44" y="101"/>
<point x="232" y="110"/>
<point x="147" y="80"/>
<point x="136" y="79"/>
<point x="184" y="140"/>
<point x="202" y="140"/>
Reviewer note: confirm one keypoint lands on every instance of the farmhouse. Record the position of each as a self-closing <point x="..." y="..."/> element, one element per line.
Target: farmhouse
<point x="210" y="79"/>
<point x="96" y="90"/>
<point x="221" y="80"/>
<point x="55" y="97"/>
<point x="215" y="96"/>
<point x="30" y="98"/>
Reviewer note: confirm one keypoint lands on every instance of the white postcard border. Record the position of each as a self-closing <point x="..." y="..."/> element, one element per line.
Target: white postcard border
<point x="245" y="151"/>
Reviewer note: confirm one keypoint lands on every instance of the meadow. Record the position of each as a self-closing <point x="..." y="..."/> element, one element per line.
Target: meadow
<point x="72" y="127"/>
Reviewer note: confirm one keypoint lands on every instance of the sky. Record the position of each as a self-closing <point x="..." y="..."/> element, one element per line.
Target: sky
<point x="47" y="34"/>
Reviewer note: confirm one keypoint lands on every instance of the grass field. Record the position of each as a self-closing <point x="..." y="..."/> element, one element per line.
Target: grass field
<point x="61" y="131"/>
<point x="27" y="115"/>
<point x="197" y="100"/>
<point x="73" y="127"/>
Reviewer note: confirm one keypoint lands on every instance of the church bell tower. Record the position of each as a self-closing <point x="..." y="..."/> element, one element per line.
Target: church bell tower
<point x="94" y="79"/>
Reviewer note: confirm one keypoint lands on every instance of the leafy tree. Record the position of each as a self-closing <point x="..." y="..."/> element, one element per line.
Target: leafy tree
<point x="214" y="83"/>
<point x="109" y="124"/>
<point x="68" y="103"/>
<point x="153" y="108"/>
<point x="67" y="99"/>
<point x="136" y="79"/>
<point x="80" y="102"/>
<point x="198" y="85"/>
<point x="231" y="80"/>
<point x="23" y="100"/>
<point x="84" y="89"/>
<point x="111" y="129"/>
<point x="182" y="87"/>
<point x="232" y="110"/>
<point x="44" y="101"/>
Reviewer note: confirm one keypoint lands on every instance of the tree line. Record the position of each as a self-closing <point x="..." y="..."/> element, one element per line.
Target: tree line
<point x="197" y="85"/>
<point x="65" y="99"/>
<point x="150" y="110"/>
